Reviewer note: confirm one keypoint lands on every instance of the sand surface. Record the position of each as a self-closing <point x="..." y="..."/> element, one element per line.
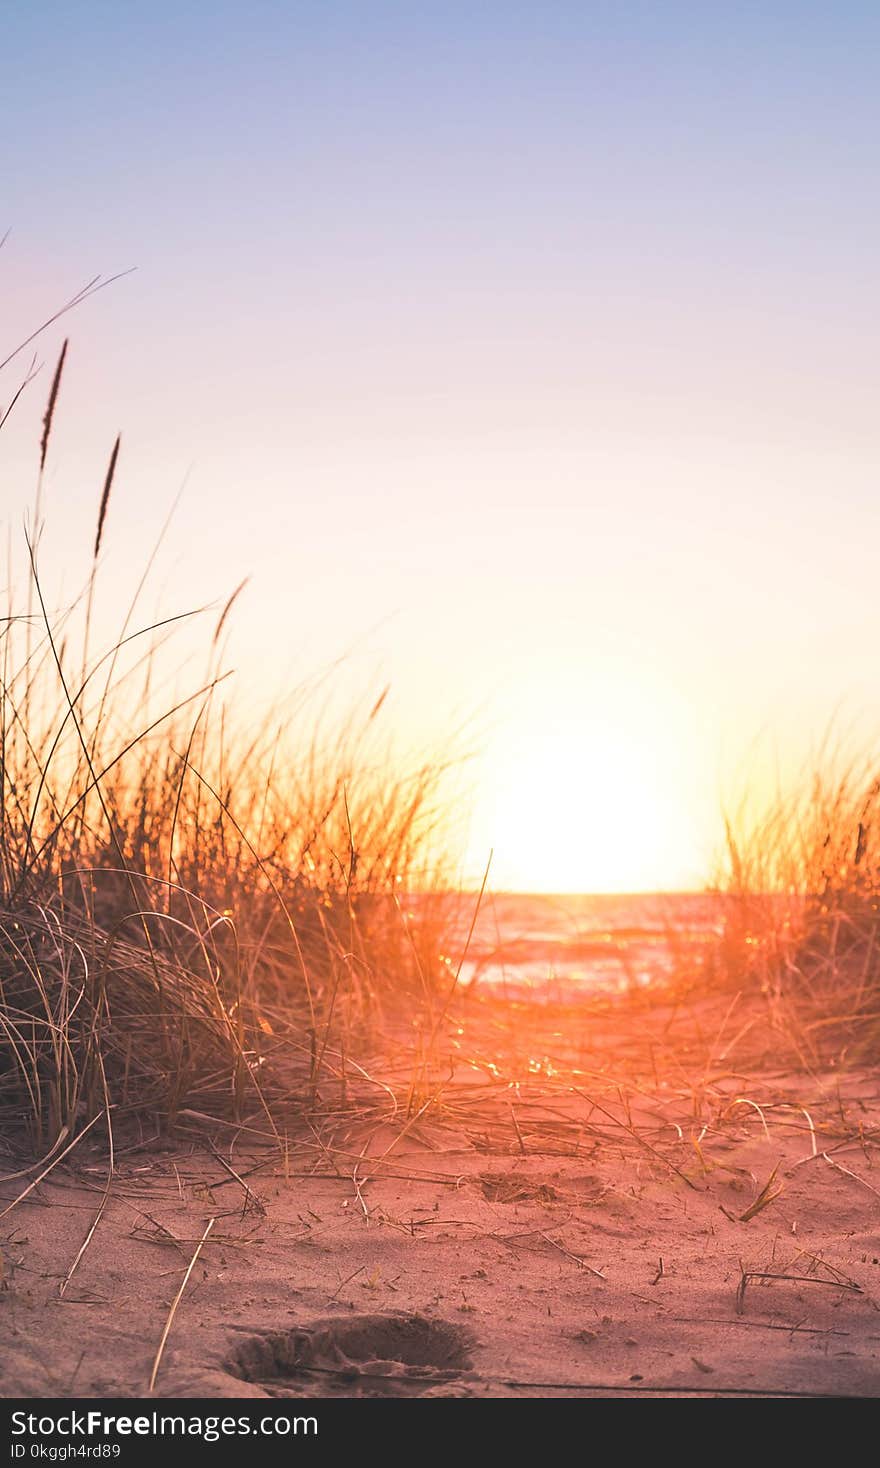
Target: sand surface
<point x="531" y="1239"/>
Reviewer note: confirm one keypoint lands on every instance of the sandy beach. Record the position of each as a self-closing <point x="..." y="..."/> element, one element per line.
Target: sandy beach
<point x="580" y="1228"/>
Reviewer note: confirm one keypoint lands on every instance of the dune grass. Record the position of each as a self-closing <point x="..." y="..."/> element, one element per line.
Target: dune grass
<point x="194" y="916"/>
<point x="802" y="904"/>
<point x="201" y="918"/>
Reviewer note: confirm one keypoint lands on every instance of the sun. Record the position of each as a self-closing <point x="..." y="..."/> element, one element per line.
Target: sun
<point x="584" y="805"/>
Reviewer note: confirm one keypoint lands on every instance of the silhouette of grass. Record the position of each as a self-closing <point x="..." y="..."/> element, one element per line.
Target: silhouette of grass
<point x="190" y="916"/>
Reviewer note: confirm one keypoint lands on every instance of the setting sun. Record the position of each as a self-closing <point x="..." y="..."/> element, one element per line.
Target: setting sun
<point x="582" y="793"/>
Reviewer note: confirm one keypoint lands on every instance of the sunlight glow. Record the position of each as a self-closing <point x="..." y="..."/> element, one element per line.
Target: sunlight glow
<point x="587" y="805"/>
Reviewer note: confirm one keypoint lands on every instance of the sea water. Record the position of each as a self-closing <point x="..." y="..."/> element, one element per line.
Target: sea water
<point x="610" y="942"/>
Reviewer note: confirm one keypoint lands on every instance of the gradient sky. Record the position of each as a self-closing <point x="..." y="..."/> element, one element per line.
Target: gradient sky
<point x="527" y="353"/>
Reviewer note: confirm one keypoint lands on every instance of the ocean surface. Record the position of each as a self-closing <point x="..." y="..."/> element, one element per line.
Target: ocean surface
<point x="526" y="941"/>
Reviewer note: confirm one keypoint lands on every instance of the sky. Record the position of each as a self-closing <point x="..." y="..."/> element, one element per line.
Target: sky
<point x="524" y="357"/>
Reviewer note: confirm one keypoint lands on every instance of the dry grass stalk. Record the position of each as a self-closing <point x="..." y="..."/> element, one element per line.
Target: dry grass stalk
<point x="49" y="414"/>
<point x="105" y="495"/>
<point x="157" y="1361"/>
